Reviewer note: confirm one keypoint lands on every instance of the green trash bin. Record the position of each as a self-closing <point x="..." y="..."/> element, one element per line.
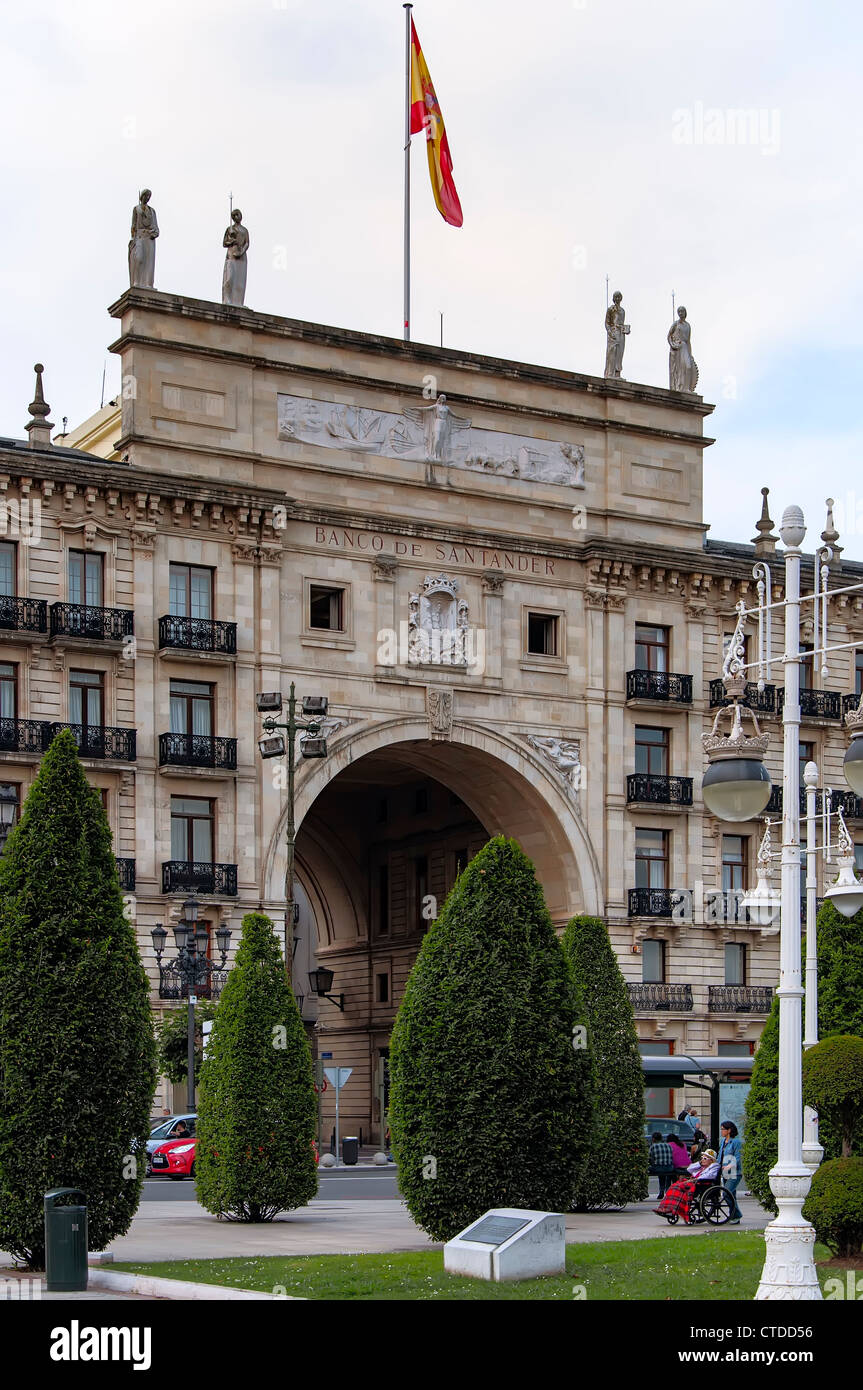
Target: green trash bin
<point x="66" y="1241"/>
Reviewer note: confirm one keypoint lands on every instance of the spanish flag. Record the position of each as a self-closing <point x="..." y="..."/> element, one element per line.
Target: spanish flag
<point x="425" y="112"/>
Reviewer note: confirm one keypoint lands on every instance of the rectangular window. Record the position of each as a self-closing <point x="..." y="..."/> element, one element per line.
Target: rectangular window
<point x="421" y="888"/>
<point x="807" y="755"/>
<point x="383" y="900"/>
<point x="653" y="962"/>
<point x="459" y="860"/>
<point x="8" y="690"/>
<point x="191" y="708"/>
<point x="858" y="858"/>
<point x="191" y="591"/>
<point x="86" y="699"/>
<point x="651" y="751"/>
<point x="735" y="964"/>
<point x="8" y="569"/>
<point x="858" y="673"/>
<point x="10" y="809"/>
<point x="85" y="578"/>
<point x="658" y="1100"/>
<point x="326" y="608"/>
<point x="735" y="858"/>
<point x="192" y="829"/>
<point x="542" y="634"/>
<point x="807" y="666"/>
<point x="651" y="858"/>
<point x="651" y="648"/>
<point x="383" y="988"/>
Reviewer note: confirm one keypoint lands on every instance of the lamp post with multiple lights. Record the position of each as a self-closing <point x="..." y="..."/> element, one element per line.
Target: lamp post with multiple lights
<point x="736" y="788"/>
<point x="192" y="969"/>
<point x="313" y="744"/>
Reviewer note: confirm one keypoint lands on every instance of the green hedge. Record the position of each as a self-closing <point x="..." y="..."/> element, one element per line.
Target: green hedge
<point x="489" y="1100"/>
<point x="77" y="1054"/>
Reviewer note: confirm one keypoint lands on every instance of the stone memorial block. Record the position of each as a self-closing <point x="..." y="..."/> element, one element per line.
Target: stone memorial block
<point x="509" y="1243"/>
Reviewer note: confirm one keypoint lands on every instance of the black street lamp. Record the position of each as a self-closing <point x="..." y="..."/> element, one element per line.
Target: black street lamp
<point x="321" y="981"/>
<point x="191" y="968"/>
<point x="313" y="744"/>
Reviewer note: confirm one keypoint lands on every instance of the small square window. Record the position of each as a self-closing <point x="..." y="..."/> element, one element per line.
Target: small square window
<point x="542" y="634"/>
<point x="383" y="989"/>
<point x="326" y="608"/>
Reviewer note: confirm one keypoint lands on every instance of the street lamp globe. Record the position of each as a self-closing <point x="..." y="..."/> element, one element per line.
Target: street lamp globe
<point x="736" y="789"/>
<point x="854" y="762"/>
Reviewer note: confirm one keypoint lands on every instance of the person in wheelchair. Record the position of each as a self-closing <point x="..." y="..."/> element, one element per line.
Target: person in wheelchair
<point x="683" y="1196"/>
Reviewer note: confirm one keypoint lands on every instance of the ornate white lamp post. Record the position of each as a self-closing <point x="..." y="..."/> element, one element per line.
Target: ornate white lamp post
<point x="736" y="787"/>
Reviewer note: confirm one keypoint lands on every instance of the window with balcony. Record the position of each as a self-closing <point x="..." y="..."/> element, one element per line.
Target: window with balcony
<point x="735" y="964"/>
<point x="735" y="861"/>
<point x="87" y="699"/>
<point x="86" y="584"/>
<point x="10" y="809"/>
<point x="8" y="690"/>
<point x="653" y="962"/>
<point x="191" y="708"/>
<point x="326" y="608"/>
<point x="192" y="822"/>
<point x="651" y="751"/>
<point x="190" y="592"/>
<point x="8" y="569"/>
<point x="651" y="858"/>
<point x="543" y="634"/>
<point x="651" y="648"/>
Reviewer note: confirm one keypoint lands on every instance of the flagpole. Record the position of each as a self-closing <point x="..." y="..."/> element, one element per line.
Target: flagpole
<point x="407" y="325"/>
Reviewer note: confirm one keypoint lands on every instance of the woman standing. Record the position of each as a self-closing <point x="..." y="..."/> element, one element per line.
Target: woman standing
<point x="731" y="1164"/>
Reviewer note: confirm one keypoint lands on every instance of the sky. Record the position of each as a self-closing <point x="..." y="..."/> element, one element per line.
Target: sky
<point x="704" y="151"/>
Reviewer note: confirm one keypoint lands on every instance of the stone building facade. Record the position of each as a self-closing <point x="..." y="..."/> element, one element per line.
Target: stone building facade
<point x="497" y="574"/>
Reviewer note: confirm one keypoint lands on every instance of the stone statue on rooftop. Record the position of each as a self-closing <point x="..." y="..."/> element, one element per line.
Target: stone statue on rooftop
<point x="682" y="367"/>
<point x="616" y="330"/>
<point x="142" y="247"/>
<point x="236" y="239"/>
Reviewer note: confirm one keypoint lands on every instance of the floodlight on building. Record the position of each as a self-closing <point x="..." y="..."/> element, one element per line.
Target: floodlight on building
<point x="273" y="746"/>
<point x="313" y="746"/>
<point x="315" y="704"/>
<point x="269" y="703"/>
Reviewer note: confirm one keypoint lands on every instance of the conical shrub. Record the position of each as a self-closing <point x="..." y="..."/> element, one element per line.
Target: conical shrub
<point x="77" y="1053"/>
<point x="256" y="1096"/>
<point x="489" y="1099"/>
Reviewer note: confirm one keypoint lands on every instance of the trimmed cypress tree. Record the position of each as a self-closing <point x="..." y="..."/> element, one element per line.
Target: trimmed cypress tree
<point x="615" y="1170"/>
<point x="761" y="1127"/>
<point x="77" y="1053"/>
<point x="489" y="1099"/>
<point x="256" y="1097"/>
<point x="840" y="972"/>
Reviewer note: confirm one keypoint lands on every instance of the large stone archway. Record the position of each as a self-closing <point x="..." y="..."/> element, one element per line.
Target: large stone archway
<point x="510" y="788"/>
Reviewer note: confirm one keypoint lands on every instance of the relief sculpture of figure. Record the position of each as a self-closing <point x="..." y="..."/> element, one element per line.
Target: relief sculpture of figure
<point x="142" y="247"/>
<point x="682" y="368"/>
<point x="616" y="330"/>
<point x="438" y="424"/>
<point x="236" y="239"/>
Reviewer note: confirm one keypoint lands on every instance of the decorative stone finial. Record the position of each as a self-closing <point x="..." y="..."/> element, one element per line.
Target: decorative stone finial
<point x="39" y="427"/>
<point x="765" y="541"/>
<point x="830" y="536"/>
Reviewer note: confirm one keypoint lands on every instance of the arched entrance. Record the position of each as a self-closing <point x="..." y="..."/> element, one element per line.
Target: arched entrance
<point x="385" y="824"/>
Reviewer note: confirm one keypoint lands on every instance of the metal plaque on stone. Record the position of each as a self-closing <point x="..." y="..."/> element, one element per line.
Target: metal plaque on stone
<point x="494" y="1230"/>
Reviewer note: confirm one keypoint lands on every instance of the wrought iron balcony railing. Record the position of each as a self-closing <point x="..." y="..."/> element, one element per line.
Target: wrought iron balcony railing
<point x="198" y="635"/>
<point x="654" y="902"/>
<point x="186" y="875"/>
<point x="663" y="791"/>
<point x="739" y="999"/>
<point x="96" y="624"/>
<point x="23" y="614"/>
<point x="173" y="986"/>
<point x="197" y="750"/>
<point x="761" y="701"/>
<point x="815" y="704"/>
<point x="659" y="685"/>
<point x="24" y="735"/>
<point x="126" y="872"/>
<point x="661" y="998"/>
<point x="101" y="741"/>
<point x="850" y="804"/>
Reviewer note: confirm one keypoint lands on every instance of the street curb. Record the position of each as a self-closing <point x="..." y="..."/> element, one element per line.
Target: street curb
<point x="120" y="1282"/>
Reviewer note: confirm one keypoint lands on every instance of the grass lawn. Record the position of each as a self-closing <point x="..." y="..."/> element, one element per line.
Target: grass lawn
<point x="717" y="1265"/>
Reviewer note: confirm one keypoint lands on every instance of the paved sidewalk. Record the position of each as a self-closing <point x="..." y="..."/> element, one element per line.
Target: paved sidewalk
<point x="27" y="1293"/>
<point x="184" y="1231"/>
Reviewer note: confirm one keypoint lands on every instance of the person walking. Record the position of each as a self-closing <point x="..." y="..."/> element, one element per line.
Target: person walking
<point x="731" y="1165"/>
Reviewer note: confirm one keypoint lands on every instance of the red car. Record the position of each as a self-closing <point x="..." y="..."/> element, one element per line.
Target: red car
<point x="176" y="1158"/>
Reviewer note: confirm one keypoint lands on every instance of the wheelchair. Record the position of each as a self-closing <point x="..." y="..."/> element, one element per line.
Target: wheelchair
<point x="711" y="1203"/>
